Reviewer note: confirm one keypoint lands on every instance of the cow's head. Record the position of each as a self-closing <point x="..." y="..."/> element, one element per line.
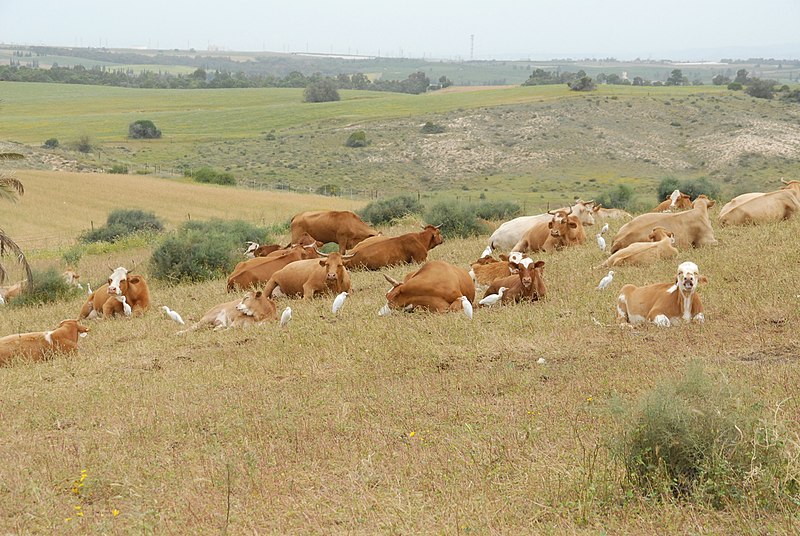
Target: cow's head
<point x="555" y="221"/>
<point x="568" y="228"/>
<point x="250" y="251"/>
<point x="583" y="209"/>
<point x="527" y="270"/>
<point x="308" y="240"/>
<point x="307" y="252"/>
<point x="703" y="199"/>
<point x="334" y="265"/>
<point x="687" y="278"/>
<point x="659" y="233"/>
<point x="70" y="324"/>
<point x="256" y="304"/>
<point x="71" y="277"/>
<point x="436" y="236"/>
<point x="118" y="281"/>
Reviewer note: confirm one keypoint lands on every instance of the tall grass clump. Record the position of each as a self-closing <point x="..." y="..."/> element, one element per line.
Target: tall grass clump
<point x="387" y="210"/>
<point x="48" y="286"/>
<point x="497" y="210"/>
<point x="706" y="439"/>
<point x="202" y="250"/>
<point x="124" y="222"/>
<point x="456" y="220"/>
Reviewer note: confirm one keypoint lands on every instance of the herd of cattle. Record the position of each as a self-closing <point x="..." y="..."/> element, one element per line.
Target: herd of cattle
<point x="301" y="269"/>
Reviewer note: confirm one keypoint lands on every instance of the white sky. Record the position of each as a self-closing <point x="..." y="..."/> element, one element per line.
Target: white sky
<point x="503" y="29"/>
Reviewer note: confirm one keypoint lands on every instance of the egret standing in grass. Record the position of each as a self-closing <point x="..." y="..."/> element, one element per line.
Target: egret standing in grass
<point x="604" y="230"/>
<point x="173" y="315"/>
<point x="465" y="303"/>
<point x="491" y="299"/>
<point x="89" y="289"/>
<point x="606" y="280"/>
<point x="338" y="302"/>
<point x="601" y="242"/>
<point x="385" y="310"/>
<point x="125" y="307"/>
<point x="286" y="316"/>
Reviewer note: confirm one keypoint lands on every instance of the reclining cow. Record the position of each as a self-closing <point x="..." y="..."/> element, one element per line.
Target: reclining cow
<point x="526" y="285"/>
<point x="254" y="272"/>
<point x="759" y="207"/>
<point x="511" y="232"/>
<point x="253" y="308"/>
<point x="106" y="300"/>
<point x="40" y="345"/>
<point x="409" y="247"/>
<point x="664" y="304"/>
<point x="311" y="277"/>
<point x="437" y="286"/>
<point x="660" y="246"/>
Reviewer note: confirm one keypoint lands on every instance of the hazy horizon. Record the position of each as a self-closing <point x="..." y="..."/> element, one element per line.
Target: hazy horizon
<point x="503" y="30"/>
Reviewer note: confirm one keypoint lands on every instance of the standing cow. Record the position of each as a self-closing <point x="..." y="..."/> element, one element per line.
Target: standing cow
<point x="340" y="226"/>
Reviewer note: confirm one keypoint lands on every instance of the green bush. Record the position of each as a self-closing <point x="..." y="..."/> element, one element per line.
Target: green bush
<point x="386" y="210"/>
<point x="124" y="222"/>
<point x="51" y="143"/>
<point x="497" y="210"/>
<point x="73" y="255"/>
<point x="321" y="91"/>
<point x="357" y="139"/>
<point x="735" y="86"/>
<point x="202" y="250"/>
<point x="702" y="438"/>
<point x="666" y="187"/>
<point x="690" y="187"/>
<point x="457" y="220"/>
<point x="620" y="196"/>
<point x="761" y="89"/>
<point x="48" y="287"/>
<point x="120" y="169"/>
<point x="84" y="144"/>
<point x="143" y="129"/>
<point x="212" y="176"/>
<point x="329" y="189"/>
<point x="431" y="128"/>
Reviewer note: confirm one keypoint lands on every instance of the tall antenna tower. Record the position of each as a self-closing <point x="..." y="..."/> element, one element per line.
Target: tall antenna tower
<point x="471" y="46"/>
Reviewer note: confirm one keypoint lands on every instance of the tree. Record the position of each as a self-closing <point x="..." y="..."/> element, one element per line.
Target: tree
<point x="321" y="91"/>
<point x="638" y="81"/>
<point x="10" y="189"/>
<point x="584" y="83"/>
<point x="676" y="78"/>
<point x="143" y="129"/>
<point x="720" y="80"/>
<point x="741" y="77"/>
<point x="761" y="89"/>
<point x="445" y="82"/>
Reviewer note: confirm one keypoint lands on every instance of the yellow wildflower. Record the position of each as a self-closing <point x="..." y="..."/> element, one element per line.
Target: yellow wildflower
<point x="115" y="512"/>
<point x="412" y="434"/>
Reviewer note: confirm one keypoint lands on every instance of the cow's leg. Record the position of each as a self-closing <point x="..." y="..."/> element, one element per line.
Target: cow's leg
<point x="622" y="310"/>
<point x="662" y="321"/>
<point x="112" y="306"/>
<point x="308" y="291"/>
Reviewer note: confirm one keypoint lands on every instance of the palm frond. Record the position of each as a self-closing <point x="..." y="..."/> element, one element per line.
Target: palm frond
<point x="11" y="156"/>
<point x="10" y="188"/>
<point x="9" y="247"/>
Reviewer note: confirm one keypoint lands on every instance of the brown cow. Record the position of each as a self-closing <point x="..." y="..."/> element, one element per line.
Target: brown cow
<point x="340" y="226"/>
<point x="527" y="284"/>
<point x="536" y="236"/>
<point x="253" y="308"/>
<point x="610" y="213"/>
<point x="105" y="301"/>
<point x="311" y="277"/>
<point x="254" y="272"/>
<point x="12" y="291"/>
<point x="674" y="202"/>
<point x="410" y="247"/>
<point x="436" y="286"/>
<point x="690" y="228"/>
<point x="39" y="345"/>
<point x="660" y="246"/>
<point x="664" y="304"/>
<point x="511" y="232"/>
<point x="564" y="232"/>
<point x="275" y="250"/>
<point x="760" y="207"/>
<point x="486" y="269"/>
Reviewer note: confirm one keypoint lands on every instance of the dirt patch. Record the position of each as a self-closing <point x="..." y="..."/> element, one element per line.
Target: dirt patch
<point x="772" y="354"/>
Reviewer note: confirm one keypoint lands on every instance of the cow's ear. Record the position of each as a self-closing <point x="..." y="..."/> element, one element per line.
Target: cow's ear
<point x="503" y="257"/>
<point x="538" y="264"/>
<point x="573" y="224"/>
<point x="135" y="279"/>
<point x="322" y="262"/>
<point x="550" y="224"/>
<point x="711" y="203"/>
<point x="703" y="279"/>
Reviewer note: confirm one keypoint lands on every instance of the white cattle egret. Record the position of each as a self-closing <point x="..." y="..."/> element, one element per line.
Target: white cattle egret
<point x="604" y="230"/>
<point x="606" y="280"/>
<point x="286" y="316"/>
<point x="89" y="289"/>
<point x="385" y="310"/>
<point x="491" y="299"/>
<point x="2" y="300"/>
<point x="338" y="302"/>
<point x="125" y="307"/>
<point x="541" y="361"/>
<point x="601" y="242"/>
<point x="487" y="252"/>
<point x="173" y="315"/>
<point x="467" y="306"/>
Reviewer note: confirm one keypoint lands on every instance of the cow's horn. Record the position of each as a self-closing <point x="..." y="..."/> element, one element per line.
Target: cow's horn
<point x="391" y="280"/>
<point x="438" y="226"/>
<point x="784" y="181"/>
<point x="349" y="256"/>
<point x="570" y="211"/>
<point x="319" y="252"/>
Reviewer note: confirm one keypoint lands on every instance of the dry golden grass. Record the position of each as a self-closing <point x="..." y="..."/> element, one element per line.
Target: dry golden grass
<point x="413" y="423"/>
<point x="58" y="206"/>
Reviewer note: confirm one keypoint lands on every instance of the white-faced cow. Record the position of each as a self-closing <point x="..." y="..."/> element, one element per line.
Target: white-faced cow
<point x="664" y="304"/>
<point x="104" y="302"/>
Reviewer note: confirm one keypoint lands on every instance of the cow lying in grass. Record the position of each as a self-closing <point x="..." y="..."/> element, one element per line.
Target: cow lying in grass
<point x="105" y="301"/>
<point x="253" y="308"/>
<point x="660" y="246"/>
<point x="40" y="345"/>
<point x="526" y="285"/>
<point x="664" y="304"/>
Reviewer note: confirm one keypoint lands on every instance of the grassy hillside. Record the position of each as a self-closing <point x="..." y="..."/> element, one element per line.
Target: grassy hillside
<point x="536" y="144"/>
<point x="413" y="423"/>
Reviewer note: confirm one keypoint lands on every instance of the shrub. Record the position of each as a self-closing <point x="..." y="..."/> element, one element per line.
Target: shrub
<point x="761" y="89"/>
<point x="48" y="287"/>
<point x="386" y="210"/>
<point x="84" y="144"/>
<point x="691" y="187"/>
<point x="431" y="128"/>
<point x="202" y="250"/>
<point x="666" y="187"/>
<point x="212" y="176"/>
<point x="456" y="220"/>
<point x="584" y="83"/>
<point x="329" y="189"/>
<point x="357" y="139"/>
<point x="51" y="143"/>
<point x="735" y="86"/>
<point x="497" y="210"/>
<point x="620" y="196"/>
<point x="702" y="438"/>
<point x="321" y="91"/>
<point x="121" y="223"/>
<point x="121" y="169"/>
<point x="143" y="129"/>
<point x="73" y="255"/>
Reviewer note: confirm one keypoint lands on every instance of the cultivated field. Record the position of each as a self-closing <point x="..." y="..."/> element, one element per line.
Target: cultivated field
<point x="412" y="423"/>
